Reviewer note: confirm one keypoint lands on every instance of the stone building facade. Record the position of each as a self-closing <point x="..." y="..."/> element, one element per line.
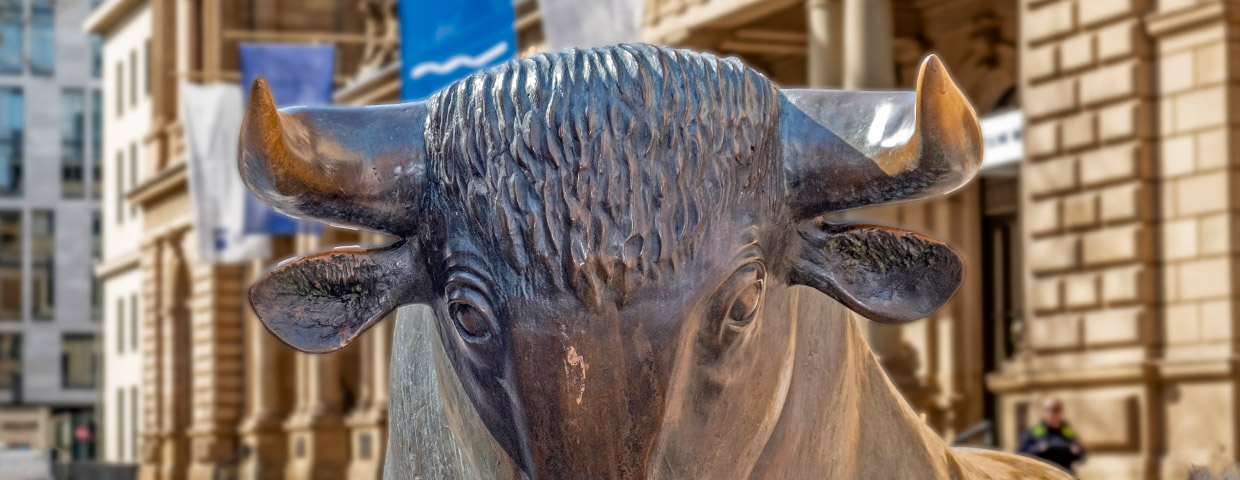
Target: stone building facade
<point x="124" y="28"/>
<point x="219" y="396"/>
<point x="1102" y="269"/>
<point x="1100" y="265"/>
<point x="1122" y="253"/>
<point x="1130" y="230"/>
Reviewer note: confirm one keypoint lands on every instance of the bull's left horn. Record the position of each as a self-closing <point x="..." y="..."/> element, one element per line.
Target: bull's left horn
<point x="361" y="167"/>
<point x="843" y="149"/>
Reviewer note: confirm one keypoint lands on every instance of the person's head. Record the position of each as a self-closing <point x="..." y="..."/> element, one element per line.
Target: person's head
<point x="1052" y="411"/>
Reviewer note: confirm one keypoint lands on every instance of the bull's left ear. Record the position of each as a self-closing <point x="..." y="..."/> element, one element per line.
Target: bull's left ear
<point x="322" y="302"/>
<point x="885" y="274"/>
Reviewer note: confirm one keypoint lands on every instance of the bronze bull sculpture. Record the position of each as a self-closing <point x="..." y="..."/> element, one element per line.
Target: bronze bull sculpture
<point x="608" y="242"/>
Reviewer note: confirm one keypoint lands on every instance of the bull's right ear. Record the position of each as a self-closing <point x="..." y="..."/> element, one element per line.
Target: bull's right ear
<point x="322" y="302"/>
<point x="886" y="274"/>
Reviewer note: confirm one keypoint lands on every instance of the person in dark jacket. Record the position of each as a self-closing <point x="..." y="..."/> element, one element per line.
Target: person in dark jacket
<point x="1053" y="439"/>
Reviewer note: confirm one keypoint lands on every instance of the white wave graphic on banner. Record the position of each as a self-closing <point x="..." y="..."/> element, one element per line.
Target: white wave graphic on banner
<point x="457" y="61"/>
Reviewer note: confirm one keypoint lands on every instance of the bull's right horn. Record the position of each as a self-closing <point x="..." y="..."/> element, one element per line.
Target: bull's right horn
<point x="360" y="167"/>
<point x="844" y="149"/>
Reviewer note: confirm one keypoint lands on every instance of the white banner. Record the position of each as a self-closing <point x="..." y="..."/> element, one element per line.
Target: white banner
<point x="212" y="115"/>
<point x="590" y="23"/>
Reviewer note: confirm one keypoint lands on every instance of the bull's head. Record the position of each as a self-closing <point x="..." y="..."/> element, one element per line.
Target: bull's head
<point x="608" y="239"/>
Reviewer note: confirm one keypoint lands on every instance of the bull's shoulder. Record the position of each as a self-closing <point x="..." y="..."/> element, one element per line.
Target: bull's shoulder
<point x="990" y="464"/>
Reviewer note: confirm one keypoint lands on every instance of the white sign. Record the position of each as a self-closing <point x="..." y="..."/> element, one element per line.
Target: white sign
<point x="1003" y="139"/>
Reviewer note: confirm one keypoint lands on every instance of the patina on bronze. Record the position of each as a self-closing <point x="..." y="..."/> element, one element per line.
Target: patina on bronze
<point x="609" y="242"/>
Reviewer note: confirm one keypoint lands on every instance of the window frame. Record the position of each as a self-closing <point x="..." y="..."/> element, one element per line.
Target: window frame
<point x="42" y="41"/>
<point x="37" y="311"/>
<point x="93" y="360"/>
<point x="73" y="142"/>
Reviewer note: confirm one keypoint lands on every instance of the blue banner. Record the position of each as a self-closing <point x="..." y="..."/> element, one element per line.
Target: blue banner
<point x="442" y="41"/>
<point x="298" y="74"/>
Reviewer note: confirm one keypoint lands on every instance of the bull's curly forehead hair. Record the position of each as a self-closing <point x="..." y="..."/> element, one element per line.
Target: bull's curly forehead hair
<point x="595" y="169"/>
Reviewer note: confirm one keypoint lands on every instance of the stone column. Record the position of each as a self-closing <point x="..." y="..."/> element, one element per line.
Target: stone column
<point x="319" y="442"/>
<point x="187" y="28"/>
<point x="152" y="363"/>
<point x="869" y="64"/>
<point x="212" y="25"/>
<point x="163" y="86"/>
<point x="868" y="58"/>
<point x="824" y="21"/>
<point x="176" y="402"/>
<point x="368" y="422"/>
<point x="267" y="364"/>
<point x="218" y="364"/>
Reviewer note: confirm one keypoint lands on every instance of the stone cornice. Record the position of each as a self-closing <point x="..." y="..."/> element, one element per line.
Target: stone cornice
<point x="1015" y="382"/>
<point x="114" y="266"/>
<point x="1216" y="368"/>
<point x="108" y="14"/>
<point x="378" y="86"/>
<point x="671" y="27"/>
<point x="168" y="231"/>
<point x="1022" y="380"/>
<point x="169" y="180"/>
<point x="1158" y="24"/>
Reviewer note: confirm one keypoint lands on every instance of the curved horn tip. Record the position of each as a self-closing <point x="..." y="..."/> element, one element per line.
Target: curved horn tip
<point x="933" y="73"/>
<point x="260" y="128"/>
<point x="937" y="91"/>
<point x="262" y="105"/>
<point x="259" y="90"/>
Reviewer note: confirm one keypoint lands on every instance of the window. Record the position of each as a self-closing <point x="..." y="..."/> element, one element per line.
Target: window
<point x="42" y="37"/>
<point x="1002" y="277"/>
<point x="120" y="187"/>
<point x="72" y="142"/>
<point x="133" y="321"/>
<point x="133" y="424"/>
<point x="96" y="298"/>
<point x="12" y="46"/>
<point x="120" y="424"/>
<point x="96" y="143"/>
<point x="133" y="78"/>
<point x="12" y="129"/>
<point x="120" y="89"/>
<point x="77" y="361"/>
<point x="133" y="175"/>
<point x="120" y="325"/>
<point x="43" y="262"/>
<point x="96" y="235"/>
<point x="96" y="56"/>
<point x="146" y="61"/>
<point x="11" y="265"/>
<point x="10" y="359"/>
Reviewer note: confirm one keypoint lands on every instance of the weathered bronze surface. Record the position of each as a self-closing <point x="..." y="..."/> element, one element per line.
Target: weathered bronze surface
<point x="609" y="242"/>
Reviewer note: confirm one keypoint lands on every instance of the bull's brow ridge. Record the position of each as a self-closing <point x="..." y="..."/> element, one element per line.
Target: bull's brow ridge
<point x="468" y="267"/>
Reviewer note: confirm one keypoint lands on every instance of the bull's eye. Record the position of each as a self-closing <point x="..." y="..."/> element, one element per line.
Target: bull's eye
<point x="742" y="295"/>
<point x="745" y="306"/>
<point x="470" y="321"/>
<point x="471" y="313"/>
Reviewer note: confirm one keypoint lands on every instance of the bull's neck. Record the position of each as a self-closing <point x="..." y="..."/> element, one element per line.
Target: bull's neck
<point x="843" y="417"/>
